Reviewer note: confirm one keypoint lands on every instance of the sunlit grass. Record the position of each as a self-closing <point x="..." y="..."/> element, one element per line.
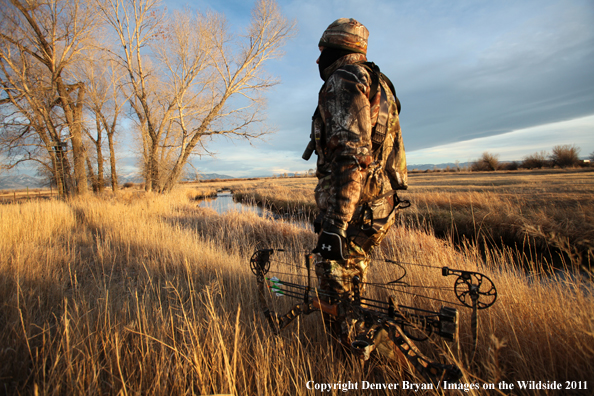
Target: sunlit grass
<point x="148" y="294"/>
<point x="538" y="210"/>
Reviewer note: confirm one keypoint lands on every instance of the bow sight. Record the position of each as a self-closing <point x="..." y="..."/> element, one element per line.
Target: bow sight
<point x="373" y="318"/>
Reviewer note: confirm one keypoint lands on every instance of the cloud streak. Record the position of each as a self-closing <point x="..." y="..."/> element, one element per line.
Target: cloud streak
<point x="512" y="146"/>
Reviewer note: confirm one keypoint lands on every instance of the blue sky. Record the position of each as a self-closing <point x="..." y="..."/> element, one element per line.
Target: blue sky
<point x="508" y="77"/>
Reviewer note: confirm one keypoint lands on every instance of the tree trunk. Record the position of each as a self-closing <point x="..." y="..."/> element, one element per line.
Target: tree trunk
<point x="78" y="162"/>
<point x="100" y="175"/>
<point x="60" y="171"/>
<point x="78" y="149"/>
<point x="92" y="176"/>
<point x="73" y="113"/>
<point x="187" y="150"/>
<point x="154" y="167"/>
<point x="112" y="162"/>
<point x="66" y="175"/>
<point x="173" y="177"/>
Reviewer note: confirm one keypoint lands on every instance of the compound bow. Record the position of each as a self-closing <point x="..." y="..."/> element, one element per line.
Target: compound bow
<point x="472" y="289"/>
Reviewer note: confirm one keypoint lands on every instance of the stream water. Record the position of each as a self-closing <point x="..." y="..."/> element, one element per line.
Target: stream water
<point x="224" y="203"/>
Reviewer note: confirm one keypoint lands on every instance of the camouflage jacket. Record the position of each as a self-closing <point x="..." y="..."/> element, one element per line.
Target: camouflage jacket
<point x="353" y="166"/>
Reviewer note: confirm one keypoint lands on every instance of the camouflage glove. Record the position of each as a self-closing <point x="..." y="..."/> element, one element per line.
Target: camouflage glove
<point x="331" y="242"/>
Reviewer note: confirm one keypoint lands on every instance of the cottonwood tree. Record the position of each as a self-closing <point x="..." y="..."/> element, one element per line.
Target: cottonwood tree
<point x="39" y="42"/>
<point x="535" y="161"/>
<point x="190" y="78"/>
<point x="487" y="162"/>
<point x="105" y="102"/>
<point x="565" y="156"/>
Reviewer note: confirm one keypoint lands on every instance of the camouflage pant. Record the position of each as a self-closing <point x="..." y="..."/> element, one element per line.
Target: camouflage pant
<point x="335" y="280"/>
<point x="336" y="277"/>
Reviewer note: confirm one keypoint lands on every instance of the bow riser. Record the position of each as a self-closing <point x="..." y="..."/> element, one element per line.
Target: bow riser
<point x="472" y="289"/>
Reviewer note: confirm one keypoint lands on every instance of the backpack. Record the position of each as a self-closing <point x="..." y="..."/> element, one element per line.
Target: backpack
<point x="378" y="133"/>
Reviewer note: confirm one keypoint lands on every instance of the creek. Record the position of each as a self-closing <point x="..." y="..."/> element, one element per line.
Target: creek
<point x="223" y="202"/>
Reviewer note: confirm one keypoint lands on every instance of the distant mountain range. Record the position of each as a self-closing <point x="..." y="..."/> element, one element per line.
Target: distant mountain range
<point x="205" y="176"/>
<point x="438" y="166"/>
<point x="19" y="182"/>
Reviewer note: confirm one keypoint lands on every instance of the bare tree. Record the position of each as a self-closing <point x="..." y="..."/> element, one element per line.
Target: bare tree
<point x="190" y="78"/>
<point x="105" y="102"/>
<point x="136" y="23"/>
<point x="39" y="42"/>
<point x="237" y="71"/>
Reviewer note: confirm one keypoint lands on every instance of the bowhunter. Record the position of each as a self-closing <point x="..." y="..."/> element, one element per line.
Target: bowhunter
<point x="361" y="161"/>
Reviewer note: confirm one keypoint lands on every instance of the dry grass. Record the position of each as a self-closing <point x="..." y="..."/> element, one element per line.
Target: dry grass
<point x="291" y="200"/>
<point x="550" y="211"/>
<point x="147" y="294"/>
<point x="546" y="209"/>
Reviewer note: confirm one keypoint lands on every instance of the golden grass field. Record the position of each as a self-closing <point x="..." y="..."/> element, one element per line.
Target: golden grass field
<point x="144" y="294"/>
<point x="534" y="212"/>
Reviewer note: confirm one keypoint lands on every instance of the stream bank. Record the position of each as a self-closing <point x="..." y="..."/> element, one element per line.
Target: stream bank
<point x="225" y="202"/>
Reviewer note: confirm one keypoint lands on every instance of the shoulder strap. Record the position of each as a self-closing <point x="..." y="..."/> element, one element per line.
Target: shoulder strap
<point x="378" y="134"/>
<point x="376" y="75"/>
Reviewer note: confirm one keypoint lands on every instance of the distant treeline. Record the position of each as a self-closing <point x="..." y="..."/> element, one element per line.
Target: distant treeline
<point x="561" y="156"/>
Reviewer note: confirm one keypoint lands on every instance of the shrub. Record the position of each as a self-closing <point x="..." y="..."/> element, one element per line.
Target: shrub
<point x="565" y="156"/>
<point x="487" y="162"/>
<point x="510" y="166"/>
<point x="535" y="161"/>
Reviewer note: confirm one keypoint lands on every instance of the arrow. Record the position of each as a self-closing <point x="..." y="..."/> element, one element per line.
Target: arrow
<point x="277" y="290"/>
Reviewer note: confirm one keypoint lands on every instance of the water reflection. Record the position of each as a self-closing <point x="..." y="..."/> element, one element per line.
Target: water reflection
<point x="224" y="202"/>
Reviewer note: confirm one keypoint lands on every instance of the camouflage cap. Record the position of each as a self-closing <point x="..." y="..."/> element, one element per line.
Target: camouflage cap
<point x="346" y="33"/>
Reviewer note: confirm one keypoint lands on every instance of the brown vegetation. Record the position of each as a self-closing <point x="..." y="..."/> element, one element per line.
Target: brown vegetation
<point x="149" y="294"/>
<point x="565" y="156"/>
<point x="487" y="162"/>
<point x="532" y="212"/>
<point x="562" y="156"/>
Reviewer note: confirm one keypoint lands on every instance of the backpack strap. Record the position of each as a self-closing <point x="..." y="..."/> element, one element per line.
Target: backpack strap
<point x="376" y="75"/>
<point x="378" y="134"/>
<point x="381" y="126"/>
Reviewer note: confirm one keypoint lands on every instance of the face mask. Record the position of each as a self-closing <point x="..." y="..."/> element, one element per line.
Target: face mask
<point x="328" y="57"/>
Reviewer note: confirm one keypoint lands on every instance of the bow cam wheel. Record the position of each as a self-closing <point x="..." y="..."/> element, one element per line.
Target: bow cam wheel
<point x="474" y="286"/>
<point x="260" y="262"/>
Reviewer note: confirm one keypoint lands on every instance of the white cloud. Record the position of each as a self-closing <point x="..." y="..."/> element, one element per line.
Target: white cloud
<point x="513" y="145"/>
